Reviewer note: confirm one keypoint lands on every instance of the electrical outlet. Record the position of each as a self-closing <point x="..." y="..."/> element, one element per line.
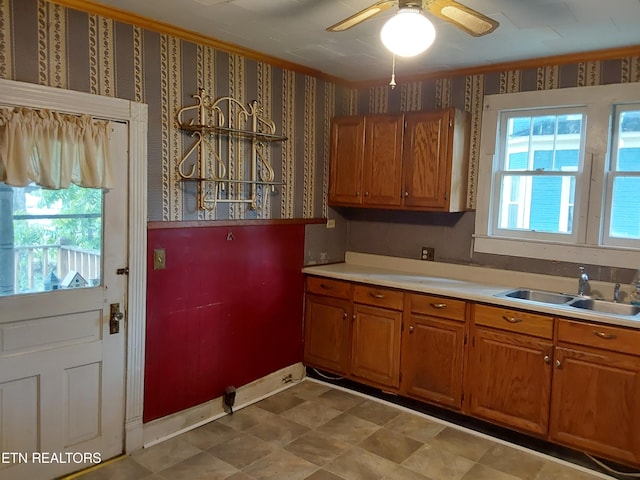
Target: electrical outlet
<point x="428" y="253"/>
<point x="287" y="378"/>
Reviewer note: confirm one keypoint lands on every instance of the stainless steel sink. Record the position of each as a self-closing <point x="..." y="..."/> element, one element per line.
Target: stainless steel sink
<point x="539" y="296"/>
<point x="606" y="307"/>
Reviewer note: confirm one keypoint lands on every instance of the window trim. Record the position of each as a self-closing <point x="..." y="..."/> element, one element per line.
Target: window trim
<point x="589" y="248"/>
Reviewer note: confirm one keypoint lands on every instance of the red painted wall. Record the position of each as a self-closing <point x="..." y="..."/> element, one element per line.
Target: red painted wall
<point x="223" y="312"/>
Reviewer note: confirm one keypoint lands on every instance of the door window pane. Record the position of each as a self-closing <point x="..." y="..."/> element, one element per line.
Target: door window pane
<point x="49" y="239"/>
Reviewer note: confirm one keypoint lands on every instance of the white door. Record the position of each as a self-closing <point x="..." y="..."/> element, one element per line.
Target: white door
<point x="62" y="383"/>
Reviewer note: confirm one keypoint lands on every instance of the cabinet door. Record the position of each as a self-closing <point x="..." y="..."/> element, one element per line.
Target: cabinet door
<point x="345" y="165"/>
<point x="376" y="345"/>
<point x="382" y="167"/>
<point x="326" y="333"/>
<point x="596" y="404"/>
<point x="510" y="379"/>
<point x="432" y="352"/>
<point x="426" y="160"/>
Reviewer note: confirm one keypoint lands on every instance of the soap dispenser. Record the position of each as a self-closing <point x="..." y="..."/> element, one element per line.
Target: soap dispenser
<point x="634" y="298"/>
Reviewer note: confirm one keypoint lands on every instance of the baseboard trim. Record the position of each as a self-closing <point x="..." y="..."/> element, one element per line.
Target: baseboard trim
<point x="175" y="424"/>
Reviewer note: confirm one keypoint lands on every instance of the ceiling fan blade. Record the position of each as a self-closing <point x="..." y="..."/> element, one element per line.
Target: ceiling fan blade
<point x="361" y="16"/>
<point x="469" y="20"/>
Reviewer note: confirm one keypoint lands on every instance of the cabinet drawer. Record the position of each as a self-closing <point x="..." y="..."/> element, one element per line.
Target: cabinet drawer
<point x="379" y="297"/>
<point x="438" y="307"/>
<point x="607" y="337"/>
<point x="514" y="321"/>
<point x="329" y="287"/>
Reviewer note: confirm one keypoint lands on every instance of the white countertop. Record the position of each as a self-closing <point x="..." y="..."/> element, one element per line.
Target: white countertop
<point x="478" y="284"/>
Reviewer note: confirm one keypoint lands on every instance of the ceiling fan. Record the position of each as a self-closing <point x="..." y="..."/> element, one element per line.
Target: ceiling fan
<point x="465" y="18"/>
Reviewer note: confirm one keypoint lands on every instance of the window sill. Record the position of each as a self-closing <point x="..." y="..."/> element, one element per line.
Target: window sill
<point x="591" y="255"/>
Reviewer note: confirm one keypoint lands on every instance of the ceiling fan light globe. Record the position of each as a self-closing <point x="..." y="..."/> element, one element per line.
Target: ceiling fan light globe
<point x="408" y="33"/>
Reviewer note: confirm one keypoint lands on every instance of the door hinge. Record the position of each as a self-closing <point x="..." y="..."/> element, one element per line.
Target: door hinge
<point x="122" y="271"/>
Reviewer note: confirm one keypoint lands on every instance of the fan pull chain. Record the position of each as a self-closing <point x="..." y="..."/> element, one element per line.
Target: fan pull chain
<point x="392" y="83"/>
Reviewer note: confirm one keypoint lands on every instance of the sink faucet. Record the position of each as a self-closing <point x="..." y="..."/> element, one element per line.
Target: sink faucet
<point x="616" y="293"/>
<point x="583" y="283"/>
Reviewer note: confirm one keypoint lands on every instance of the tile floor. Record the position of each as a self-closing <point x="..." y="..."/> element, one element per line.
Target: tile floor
<point x="314" y="431"/>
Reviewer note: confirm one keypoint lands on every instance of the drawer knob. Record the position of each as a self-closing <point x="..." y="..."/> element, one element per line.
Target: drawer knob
<point x="606" y="336"/>
<point x="376" y="295"/>
<point x="511" y="319"/>
<point x="439" y="305"/>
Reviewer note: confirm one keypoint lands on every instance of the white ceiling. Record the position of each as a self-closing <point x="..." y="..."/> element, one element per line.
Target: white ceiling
<point x="294" y="30"/>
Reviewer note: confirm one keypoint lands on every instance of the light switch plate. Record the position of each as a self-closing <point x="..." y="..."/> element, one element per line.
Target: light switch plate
<point x="159" y="259"/>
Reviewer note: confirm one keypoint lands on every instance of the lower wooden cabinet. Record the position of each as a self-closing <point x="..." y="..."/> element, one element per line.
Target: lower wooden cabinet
<point x="354" y="331"/>
<point x="509" y="380"/>
<point x="433" y="349"/>
<point x="510" y="371"/>
<point x="327" y="333"/>
<point x="432" y="353"/>
<point x="574" y="383"/>
<point x="596" y="391"/>
<point x="375" y="354"/>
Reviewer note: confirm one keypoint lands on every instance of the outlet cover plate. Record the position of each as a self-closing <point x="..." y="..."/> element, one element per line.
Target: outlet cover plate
<point x="428" y="253"/>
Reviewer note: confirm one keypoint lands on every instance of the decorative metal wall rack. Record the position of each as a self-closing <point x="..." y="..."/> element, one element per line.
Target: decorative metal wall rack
<point x="222" y="129"/>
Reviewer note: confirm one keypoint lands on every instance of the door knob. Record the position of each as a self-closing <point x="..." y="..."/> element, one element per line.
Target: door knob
<point x="114" y="318"/>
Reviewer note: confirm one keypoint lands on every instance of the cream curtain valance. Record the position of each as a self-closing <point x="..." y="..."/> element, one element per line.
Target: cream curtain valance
<point x="53" y="149"/>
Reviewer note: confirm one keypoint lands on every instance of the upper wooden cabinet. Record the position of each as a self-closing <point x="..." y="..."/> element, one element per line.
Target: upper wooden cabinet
<point x="434" y="161"/>
<point x="366" y="160"/>
<point x="347" y="154"/>
<point x="415" y="161"/>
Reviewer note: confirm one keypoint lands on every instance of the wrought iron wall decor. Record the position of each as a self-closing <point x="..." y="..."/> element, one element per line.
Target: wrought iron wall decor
<point x="217" y="126"/>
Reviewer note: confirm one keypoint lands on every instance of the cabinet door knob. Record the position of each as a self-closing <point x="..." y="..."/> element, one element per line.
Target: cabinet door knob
<point x="411" y="328"/>
<point x="406" y="194"/>
<point x="366" y="194"/>
<point x="345" y="315"/>
<point x="357" y="194"/>
<point x="353" y="317"/>
<point x="558" y="364"/>
<point x="547" y="359"/>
